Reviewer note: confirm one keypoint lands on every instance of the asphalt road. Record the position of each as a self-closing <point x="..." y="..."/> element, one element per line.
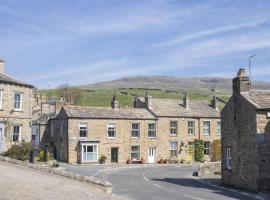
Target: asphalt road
<point x="159" y="182"/>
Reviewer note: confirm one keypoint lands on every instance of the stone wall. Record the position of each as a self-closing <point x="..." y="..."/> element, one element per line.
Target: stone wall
<point x="264" y="166"/>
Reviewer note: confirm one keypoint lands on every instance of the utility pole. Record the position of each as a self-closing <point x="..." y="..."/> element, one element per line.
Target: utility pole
<point x="249" y="65"/>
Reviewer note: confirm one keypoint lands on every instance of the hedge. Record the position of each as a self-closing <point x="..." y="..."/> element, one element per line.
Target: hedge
<point x="199" y="150"/>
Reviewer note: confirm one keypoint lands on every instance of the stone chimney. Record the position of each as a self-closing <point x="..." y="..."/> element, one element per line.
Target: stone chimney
<point x="2" y="65"/>
<point x="148" y="100"/>
<point x="214" y="102"/>
<point x="186" y="101"/>
<point x="241" y="83"/>
<point x="114" y="103"/>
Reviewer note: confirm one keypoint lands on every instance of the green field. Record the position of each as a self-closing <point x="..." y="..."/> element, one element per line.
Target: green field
<point x="102" y="98"/>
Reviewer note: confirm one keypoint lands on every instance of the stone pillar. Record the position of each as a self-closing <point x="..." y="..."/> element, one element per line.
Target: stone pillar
<point x="148" y="101"/>
<point x="241" y="83"/>
<point x="186" y="101"/>
<point x="2" y="65"/>
<point x="114" y="103"/>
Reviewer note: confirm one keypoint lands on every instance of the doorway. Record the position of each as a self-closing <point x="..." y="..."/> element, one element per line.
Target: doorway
<point x="190" y="150"/>
<point x="151" y="154"/>
<point x="2" y="138"/>
<point x="114" y="154"/>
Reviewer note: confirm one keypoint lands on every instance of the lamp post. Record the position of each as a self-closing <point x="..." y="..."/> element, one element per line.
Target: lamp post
<point x="249" y="65"/>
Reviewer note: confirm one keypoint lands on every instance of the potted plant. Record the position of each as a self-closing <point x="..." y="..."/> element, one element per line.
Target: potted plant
<point x="142" y="161"/>
<point x="129" y="161"/>
<point x="102" y="159"/>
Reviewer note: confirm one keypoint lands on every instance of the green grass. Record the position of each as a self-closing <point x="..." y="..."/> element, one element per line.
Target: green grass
<point x="102" y="98"/>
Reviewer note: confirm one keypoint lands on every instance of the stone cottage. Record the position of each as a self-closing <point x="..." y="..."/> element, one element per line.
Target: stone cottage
<point x="180" y="122"/>
<point x="246" y="136"/>
<point x="15" y="110"/>
<point x="155" y="129"/>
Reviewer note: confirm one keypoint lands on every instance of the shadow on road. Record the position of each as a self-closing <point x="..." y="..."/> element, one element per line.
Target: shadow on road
<point x="186" y="182"/>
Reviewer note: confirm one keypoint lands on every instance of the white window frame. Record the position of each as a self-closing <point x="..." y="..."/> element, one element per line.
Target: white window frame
<point x="19" y="134"/>
<point x="174" y="128"/>
<point x="52" y="129"/>
<point x="82" y="152"/>
<point x="152" y="130"/>
<point x="228" y="158"/>
<point x="218" y="127"/>
<point x="173" y="148"/>
<point x="207" y="149"/>
<point x="1" y="99"/>
<point x="135" y="130"/>
<point x="20" y="102"/>
<point x="135" y="152"/>
<point x="204" y="128"/>
<point x="83" y="125"/>
<point x="191" y="127"/>
<point x="111" y="125"/>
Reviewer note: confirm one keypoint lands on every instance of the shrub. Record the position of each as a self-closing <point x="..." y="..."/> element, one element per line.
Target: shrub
<point x="42" y="154"/>
<point x="216" y="155"/>
<point x="199" y="150"/>
<point x="19" y="152"/>
<point x="102" y="159"/>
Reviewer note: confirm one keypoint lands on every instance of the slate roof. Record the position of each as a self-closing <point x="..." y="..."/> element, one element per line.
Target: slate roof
<point x="107" y="113"/>
<point x="259" y="98"/>
<point x="175" y="108"/>
<point x="7" y="79"/>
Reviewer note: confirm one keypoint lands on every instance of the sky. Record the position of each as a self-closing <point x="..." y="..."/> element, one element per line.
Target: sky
<point x="49" y="43"/>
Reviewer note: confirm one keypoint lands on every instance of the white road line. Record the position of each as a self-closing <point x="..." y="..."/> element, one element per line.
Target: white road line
<point x="144" y="176"/>
<point x="191" y="197"/>
<point x="157" y="185"/>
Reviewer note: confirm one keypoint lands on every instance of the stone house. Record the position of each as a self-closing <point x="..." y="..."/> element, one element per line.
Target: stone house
<point x="165" y="129"/>
<point x="246" y="136"/>
<point x="180" y="122"/>
<point x="15" y="110"/>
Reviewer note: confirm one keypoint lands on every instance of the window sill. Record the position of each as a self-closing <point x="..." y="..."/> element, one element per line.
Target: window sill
<point x="152" y="137"/>
<point x="191" y="134"/>
<point x="135" y="137"/>
<point x="112" y="138"/>
<point x="206" y="135"/>
<point x="172" y="135"/>
<point x="15" y="110"/>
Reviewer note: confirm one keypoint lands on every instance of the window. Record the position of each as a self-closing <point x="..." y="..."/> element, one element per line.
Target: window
<point x="206" y="148"/>
<point x="83" y="130"/>
<point x="111" y="131"/>
<point x="89" y="152"/>
<point x="152" y="130"/>
<point x="1" y="99"/>
<point x="135" y="152"/>
<point x="218" y="127"/>
<point x="18" y="101"/>
<point x="206" y="127"/>
<point x="173" y="149"/>
<point x="16" y="133"/>
<point x="52" y="134"/>
<point x="191" y="127"/>
<point x="135" y="130"/>
<point x="229" y="159"/>
<point x="173" y="127"/>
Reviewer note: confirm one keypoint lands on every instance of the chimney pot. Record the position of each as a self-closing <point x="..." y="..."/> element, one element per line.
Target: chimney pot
<point x="2" y="66"/>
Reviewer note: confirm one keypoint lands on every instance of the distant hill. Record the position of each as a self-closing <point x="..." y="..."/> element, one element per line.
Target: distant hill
<point x="222" y="85"/>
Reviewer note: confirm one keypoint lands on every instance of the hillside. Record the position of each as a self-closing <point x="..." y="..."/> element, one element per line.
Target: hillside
<point x="100" y="94"/>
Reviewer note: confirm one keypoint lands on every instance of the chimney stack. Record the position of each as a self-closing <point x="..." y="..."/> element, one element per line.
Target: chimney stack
<point x="241" y="83"/>
<point x="186" y="101"/>
<point x="114" y="103"/>
<point x="214" y="103"/>
<point x="148" y="100"/>
<point x="2" y="65"/>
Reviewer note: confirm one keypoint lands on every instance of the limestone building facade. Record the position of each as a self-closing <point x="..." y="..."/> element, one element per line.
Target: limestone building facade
<point x="153" y="130"/>
<point x="245" y="136"/>
<point x="15" y="110"/>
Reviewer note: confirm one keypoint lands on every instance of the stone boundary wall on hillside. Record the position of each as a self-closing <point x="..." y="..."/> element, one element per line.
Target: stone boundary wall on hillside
<point x="105" y="185"/>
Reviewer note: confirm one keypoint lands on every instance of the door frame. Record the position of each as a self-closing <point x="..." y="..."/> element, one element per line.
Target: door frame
<point x="2" y="138"/>
<point x="117" y="153"/>
<point x="154" y="154"/>
<point x="190" y="146"/>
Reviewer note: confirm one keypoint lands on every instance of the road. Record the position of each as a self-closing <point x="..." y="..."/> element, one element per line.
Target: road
<point x="159" y="182"/>
<point x="18" y="182"/>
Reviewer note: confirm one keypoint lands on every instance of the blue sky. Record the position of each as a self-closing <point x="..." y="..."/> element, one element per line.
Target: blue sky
<point x="48" y="43"/>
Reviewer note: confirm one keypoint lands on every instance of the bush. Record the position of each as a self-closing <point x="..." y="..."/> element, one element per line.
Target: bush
<point x="216" y="156"/>
<point x="19" y="152"/>
<point x="42" y="154"/>
<point x="199" y="150"/>
<point x="102" y="159"/>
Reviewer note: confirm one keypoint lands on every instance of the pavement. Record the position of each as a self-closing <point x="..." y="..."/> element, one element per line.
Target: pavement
<point x="19" y="182"/>
<point x="159" y="182"/>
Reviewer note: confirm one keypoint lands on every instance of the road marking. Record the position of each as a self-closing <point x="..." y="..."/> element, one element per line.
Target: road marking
<point x="144" y="176"/>
<point x="191" y="197"/>
<point x="157" y="185"/>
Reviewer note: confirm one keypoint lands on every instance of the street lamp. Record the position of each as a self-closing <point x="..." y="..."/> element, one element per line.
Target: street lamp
<point x="249" y="65"/>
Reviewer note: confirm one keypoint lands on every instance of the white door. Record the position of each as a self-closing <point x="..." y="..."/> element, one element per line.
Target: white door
<point x="151" y="154"/>
<point x="2" y="138"/>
